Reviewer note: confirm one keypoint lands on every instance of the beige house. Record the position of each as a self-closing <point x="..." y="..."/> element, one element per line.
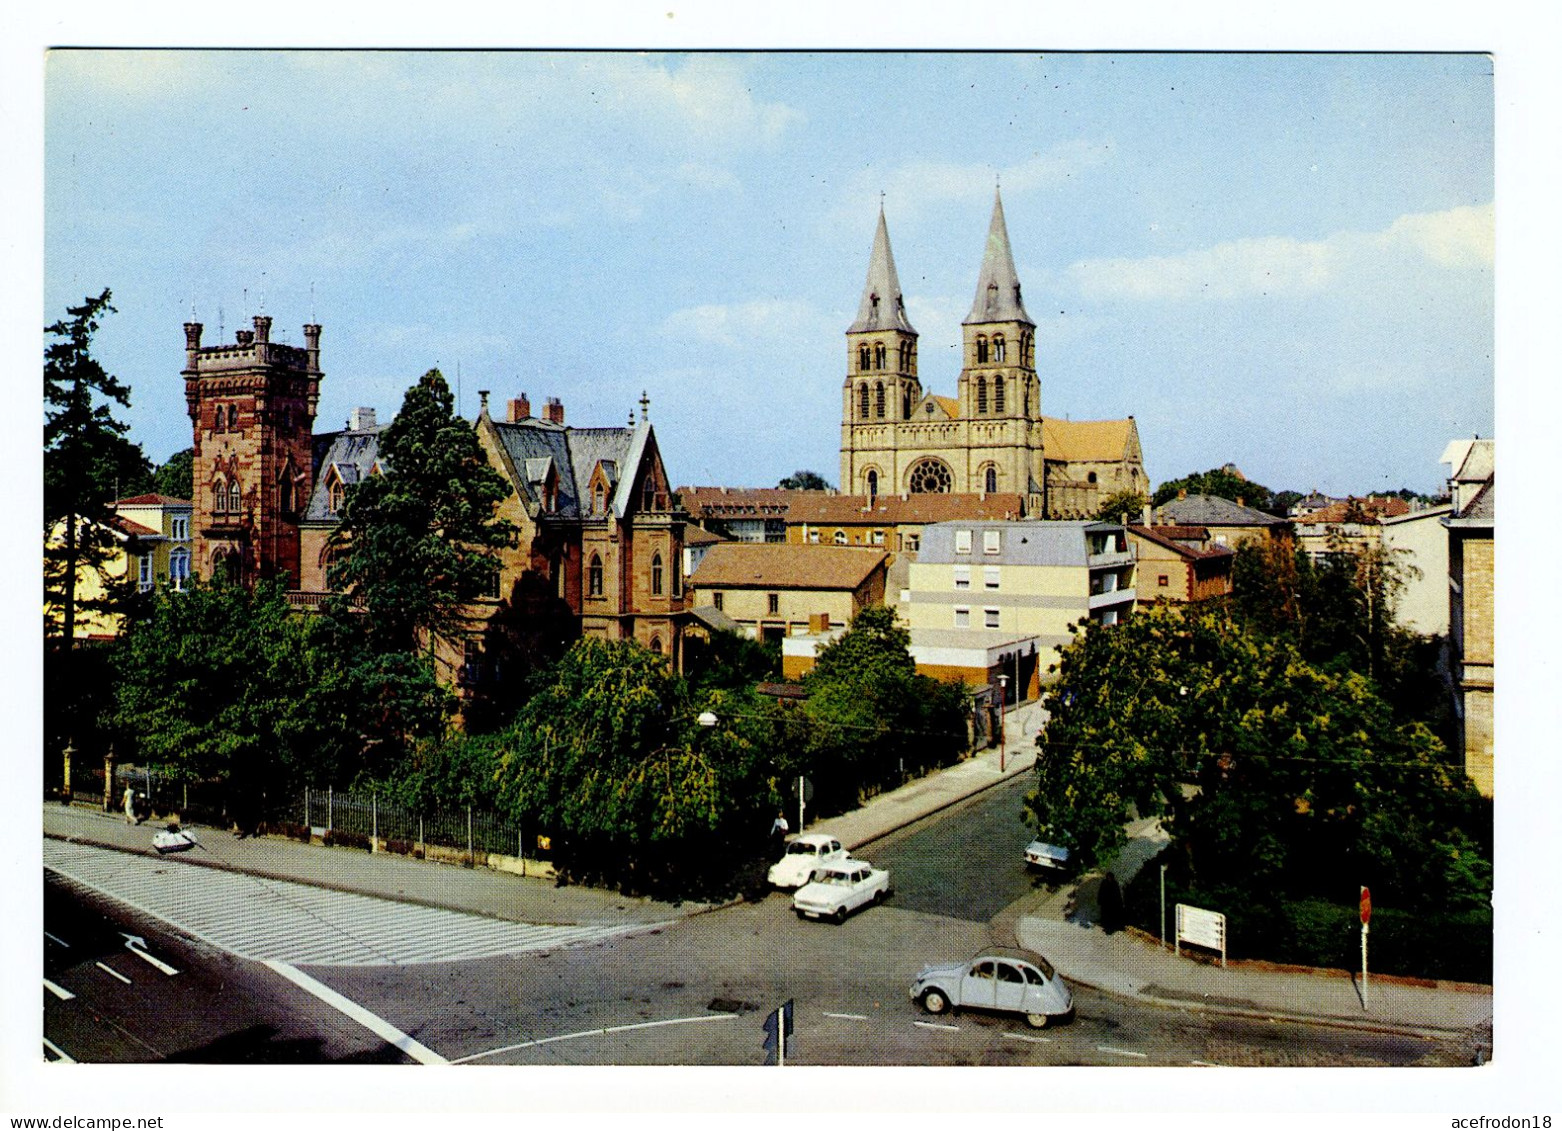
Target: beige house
<point x="1180" y="564"/>
<point x="1023" y="583"/>
<point x="1351" y="525"/>
<point x="1229" y="523"/>
<point x="151" y="535"/>
<point x="1418" y="541"/>
<point x="773" y="591"/>
<point x="1472" y="602"/>
<point x="991" y="437"/>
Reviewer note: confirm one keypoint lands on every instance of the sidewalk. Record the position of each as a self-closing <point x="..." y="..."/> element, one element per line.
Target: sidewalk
<point x="1123" y="963"/>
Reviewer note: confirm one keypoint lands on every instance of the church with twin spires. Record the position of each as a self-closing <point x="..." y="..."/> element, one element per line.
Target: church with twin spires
<point x="991" y="437"/>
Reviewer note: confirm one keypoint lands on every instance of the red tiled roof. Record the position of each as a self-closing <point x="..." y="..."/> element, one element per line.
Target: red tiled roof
<point x="893" y="510"/>
<point x="737" y="502"/>
<point x="785" y="565"/>
<point x="132" y="529"/>
<point x="1174" y="538"/>
<point x="1372" y="506"/>
<point x="153" y="501"/>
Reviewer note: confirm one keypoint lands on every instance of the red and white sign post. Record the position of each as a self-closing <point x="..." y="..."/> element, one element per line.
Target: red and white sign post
<point x="1366" y="918"/>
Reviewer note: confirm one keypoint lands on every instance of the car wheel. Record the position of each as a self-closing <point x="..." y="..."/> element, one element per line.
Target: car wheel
<point x="1038" y="1020"/>
<point x="840" y="916"/>
<point x="935" y="1002"/>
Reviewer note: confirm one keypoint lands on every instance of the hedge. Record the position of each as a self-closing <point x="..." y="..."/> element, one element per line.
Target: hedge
<point x="1454" y="946"/>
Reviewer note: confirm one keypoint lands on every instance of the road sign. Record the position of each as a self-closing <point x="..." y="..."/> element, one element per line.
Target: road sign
<point x="1202" y="928"/>
<point x="805" y="789"/>
<point x="1366" y="906"/>
<point x="778" y="1027"/>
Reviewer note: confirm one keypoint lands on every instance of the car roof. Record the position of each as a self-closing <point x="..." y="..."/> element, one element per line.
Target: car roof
<point x="1017" y="953"/>
<point x="813" y="838"/>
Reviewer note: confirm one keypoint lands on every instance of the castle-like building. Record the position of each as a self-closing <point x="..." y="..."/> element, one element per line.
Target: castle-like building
<point x="991" y="437"/>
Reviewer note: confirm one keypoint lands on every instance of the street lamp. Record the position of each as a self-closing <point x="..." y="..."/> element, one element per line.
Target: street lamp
<point x="1003" y="736"/>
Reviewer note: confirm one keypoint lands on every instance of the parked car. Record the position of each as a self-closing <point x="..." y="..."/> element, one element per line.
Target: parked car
<point x="839" y="888"/>
<point x="803" y="855"/>
<point x="1017" y="981"/>
<point x="1046" y="857"/>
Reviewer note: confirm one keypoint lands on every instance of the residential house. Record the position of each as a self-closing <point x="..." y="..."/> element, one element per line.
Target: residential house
<point x="1022" y="584"/>
<point x="1179" y="564"/>
<point x="1229" y="523"/>
<point x="1417" y="541"/>
<point x="773" y="591"/>
<point x="1347" y="526"/>
<point x="151" y="539"/>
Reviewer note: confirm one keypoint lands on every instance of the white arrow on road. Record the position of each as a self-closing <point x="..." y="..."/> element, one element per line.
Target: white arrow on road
<point x="136" y="945"/>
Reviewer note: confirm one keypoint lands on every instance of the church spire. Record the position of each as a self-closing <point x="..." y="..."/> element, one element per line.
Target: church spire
<point x="882" y="306"/>
<point x="997" y="287"/>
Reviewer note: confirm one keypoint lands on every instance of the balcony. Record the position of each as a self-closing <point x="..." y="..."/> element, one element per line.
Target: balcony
<point x="1114" y="597"/>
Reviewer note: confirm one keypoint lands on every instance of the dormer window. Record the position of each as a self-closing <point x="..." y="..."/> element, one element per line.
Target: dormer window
<point x="336" y="494"/>
<point x="598" y="498"/>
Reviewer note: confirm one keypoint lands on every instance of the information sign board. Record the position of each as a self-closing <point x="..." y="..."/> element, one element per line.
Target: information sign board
<point x="1201" y="928"/>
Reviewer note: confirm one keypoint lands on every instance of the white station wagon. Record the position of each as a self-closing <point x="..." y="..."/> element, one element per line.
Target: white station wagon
<point x="839" y="888"/>
<point x="803" y="855"/>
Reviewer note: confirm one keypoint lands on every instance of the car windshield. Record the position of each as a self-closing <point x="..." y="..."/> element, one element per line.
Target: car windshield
<point x="798" y="848"/>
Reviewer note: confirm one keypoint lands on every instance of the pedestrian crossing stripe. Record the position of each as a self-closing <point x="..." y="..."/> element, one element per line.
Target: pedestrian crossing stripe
<point x="270" y="920"/>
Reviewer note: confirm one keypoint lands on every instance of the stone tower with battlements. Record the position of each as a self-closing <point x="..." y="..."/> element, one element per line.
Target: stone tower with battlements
<point x="252" y="408"/>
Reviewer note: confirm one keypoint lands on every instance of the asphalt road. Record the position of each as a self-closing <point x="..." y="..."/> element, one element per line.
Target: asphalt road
<point x="691" y="992"/>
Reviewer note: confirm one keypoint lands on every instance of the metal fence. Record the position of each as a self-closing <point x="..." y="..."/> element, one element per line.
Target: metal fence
<point x="376" y="818"/>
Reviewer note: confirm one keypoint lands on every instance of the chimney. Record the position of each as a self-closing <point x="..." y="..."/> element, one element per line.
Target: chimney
<point x="1182" y="492"/>
<point x="262" y="328"/>
<point x="1145" y="516"/>
<point x="244" y="337"/>
<point x="520" y="409"/>
<point x="312" y="345"/>
<point x="553" y="411"/>
<point x="1239" y="500"/>
<point x="362" y="420"/>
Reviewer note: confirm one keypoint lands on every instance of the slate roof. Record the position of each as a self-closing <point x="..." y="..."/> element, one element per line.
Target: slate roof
<point x="997" y="285"/>
<point x="1212" y="510"/>
<point x="1029" y="543"/>
<point x="785" y="565"/>
<point x="353" y="452"/>
<point x="1480" y="511"/>
<point x="882" y="306"/>
<point x="531" y="444"/>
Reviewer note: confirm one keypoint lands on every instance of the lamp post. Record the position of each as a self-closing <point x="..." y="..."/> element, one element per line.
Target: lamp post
<point x="1003" y="737"/>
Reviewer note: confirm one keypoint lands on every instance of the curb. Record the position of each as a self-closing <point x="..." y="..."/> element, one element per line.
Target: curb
<point x="949" y="804"/>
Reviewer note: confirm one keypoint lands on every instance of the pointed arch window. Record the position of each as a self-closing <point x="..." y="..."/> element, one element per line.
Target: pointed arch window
<point x="233" y="497"/>
<point x="219" y="496"/>
<point x="981" y="394"/>
<point x="656" y="645"/>
<point x="656" y="575"/>
<point x="878" y="400"/>
<point x="1000" y="348"/>
<point x="285" y="494"/>
<point x="594" y="577"/>
<point x="981" y="349"/>
<point x="862" y="399"/>
<point x="336" y="494"/>
<point x="598" y="498"/>
<point x="998" y="393"/>
<point x="648" y="494"/>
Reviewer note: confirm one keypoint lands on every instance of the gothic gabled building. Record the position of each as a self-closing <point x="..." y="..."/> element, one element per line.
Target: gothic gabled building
<point x="991" y="437"/>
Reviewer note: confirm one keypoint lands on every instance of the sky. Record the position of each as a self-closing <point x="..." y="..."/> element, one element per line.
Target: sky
<point x="1281" y="261"/>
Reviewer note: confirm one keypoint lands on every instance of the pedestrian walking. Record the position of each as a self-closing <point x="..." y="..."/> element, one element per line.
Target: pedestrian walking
<point x="130" y="805"/>
<point x="778" y="830"/>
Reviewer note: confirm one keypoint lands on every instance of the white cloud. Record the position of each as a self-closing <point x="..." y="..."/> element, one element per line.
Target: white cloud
<point x="708" y="96"/>
<point x="1457" y="239"/>
<point x="917" y="185"/>
<point x="745" y="323"/>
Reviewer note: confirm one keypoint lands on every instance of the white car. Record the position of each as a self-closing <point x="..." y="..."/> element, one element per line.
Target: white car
<point x="1010" y="981"/>
<point x="173" y="839"/>
<point x="1049" y="857"/>
<point x="839" y="888"/>
<point x="803" y="855"/>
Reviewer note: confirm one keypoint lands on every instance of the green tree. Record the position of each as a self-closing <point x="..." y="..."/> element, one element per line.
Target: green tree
<point x="608" y="756"/>
<point x="804" y="481"/>
<point x="1273" y="775"/>
<point x="87" y="464"/>
<point x="176" y="478"/>
<point x="421" y="541"/>
<point x="1120" y="504"/>
<point x="1224" y="482"/>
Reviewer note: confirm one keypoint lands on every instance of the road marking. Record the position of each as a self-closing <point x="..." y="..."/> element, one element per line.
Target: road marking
<point x="1204" y="1064"/>
<point x="159" y="963"/>
<point x="278" y="920"/>
<point x="847" y="1016"/>
<point x="598" y="1033"/>
<point x="58" y="1051"/>
<point x="1123" y="1052"/>
<point x="114" y="972"/>
<point x="57" y="939"/>
<point x="58" y="991"/>
<point x="936" y="1025"/>
<point x="1027" y="1037"/>
<point x="371" y="1021"/>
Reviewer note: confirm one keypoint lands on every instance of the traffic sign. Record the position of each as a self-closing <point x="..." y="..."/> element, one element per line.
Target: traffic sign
<point x="1366" y="907"/>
